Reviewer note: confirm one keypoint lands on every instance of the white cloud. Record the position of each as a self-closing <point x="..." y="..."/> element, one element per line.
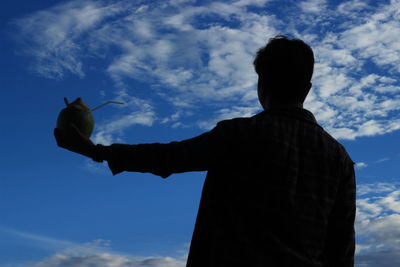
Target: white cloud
<point x="98" y="253"/>
<point x="141" y="113"/>
<point x="312" y="6"/>
<point x="375" y="37"/>
<point x="376" y="188"/>
<point x="351" y="8"/>
<point x="199" y="57"/>
<point x="110" y="260"/>
<point x="242" y="3"/>
<point x="95" y="253"/>
<point x="52" y="35"/>
<point x="377" y="225"/>
<point x="388" y="89"/>
<point x="361" y="165"/>
<point x="388" y="258"/>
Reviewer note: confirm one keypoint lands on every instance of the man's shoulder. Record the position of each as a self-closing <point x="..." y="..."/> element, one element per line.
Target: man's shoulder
<point x="270" y="118"/>
<point x="236" y="122"/>
<point x="270" y="115"/>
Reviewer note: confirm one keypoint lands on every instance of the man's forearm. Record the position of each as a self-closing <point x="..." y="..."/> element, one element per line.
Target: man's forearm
<point x="194" y="154"/>
<point x="146" y="158"/>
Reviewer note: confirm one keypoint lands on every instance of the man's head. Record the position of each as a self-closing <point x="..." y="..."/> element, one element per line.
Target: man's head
<point x="284" y="67"/>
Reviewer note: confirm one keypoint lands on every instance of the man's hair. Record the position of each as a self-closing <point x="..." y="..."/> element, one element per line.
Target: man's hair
<point x="287" y="66"/>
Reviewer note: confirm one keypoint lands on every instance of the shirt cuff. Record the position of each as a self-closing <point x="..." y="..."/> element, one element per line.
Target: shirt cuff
<point x="105" y="153"/>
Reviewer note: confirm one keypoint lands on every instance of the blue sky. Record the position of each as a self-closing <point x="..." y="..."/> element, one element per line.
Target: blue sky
<point x="180" y="67"/>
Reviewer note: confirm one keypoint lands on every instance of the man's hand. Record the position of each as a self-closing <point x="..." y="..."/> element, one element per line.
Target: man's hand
<point x="73" y="140"/>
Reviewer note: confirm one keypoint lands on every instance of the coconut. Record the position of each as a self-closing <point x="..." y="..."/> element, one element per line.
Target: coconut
<point x="78" y="114"/>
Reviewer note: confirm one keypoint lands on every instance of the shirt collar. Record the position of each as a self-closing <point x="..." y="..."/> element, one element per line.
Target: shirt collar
<point x="295" y="112"/>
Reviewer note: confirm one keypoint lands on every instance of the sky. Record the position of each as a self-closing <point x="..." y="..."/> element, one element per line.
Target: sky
<point x="180" y="67"/>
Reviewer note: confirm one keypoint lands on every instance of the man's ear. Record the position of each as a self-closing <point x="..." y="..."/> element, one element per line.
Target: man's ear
<point x="307" y="90"/>
<point x="261" y="92"/>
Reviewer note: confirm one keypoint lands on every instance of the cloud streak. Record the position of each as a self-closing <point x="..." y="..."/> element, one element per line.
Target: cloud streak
<point x="42" y="241"/>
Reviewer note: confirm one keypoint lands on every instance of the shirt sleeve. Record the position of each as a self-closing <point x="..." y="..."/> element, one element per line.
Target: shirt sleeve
<point x="195" y="154"/>
<point x="341" y="234"/>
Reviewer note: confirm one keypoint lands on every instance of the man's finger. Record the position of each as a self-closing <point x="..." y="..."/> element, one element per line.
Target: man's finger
<point x="75" y="130"/>
<point x="59" y="137"/>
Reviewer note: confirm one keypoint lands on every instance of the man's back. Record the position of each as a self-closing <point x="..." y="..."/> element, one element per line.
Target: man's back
<point x="280" y="192"/>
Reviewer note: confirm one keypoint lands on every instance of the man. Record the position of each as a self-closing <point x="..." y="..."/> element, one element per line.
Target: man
<point x="279" y="191"/>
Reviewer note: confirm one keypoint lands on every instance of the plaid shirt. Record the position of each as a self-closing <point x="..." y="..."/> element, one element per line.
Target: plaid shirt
<point x="279" y="191"/>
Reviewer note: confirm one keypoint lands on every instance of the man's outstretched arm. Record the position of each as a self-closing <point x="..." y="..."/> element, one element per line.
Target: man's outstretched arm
<point x="195" y="154"/>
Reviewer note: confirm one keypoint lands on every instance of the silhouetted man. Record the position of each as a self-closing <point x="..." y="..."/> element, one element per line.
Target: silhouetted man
<point x="279" y="191"/>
